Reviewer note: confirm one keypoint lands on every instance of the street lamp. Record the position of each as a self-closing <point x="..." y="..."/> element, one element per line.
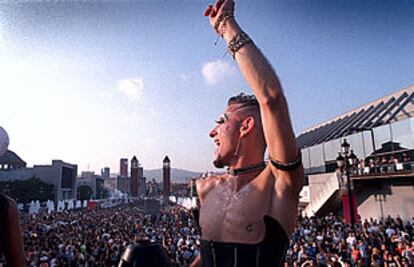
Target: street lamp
<point x="346" y="161"/>
<point x="340" y="161"/>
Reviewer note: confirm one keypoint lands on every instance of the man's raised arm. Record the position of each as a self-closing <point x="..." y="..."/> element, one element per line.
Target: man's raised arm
<point x="262" y="79"/>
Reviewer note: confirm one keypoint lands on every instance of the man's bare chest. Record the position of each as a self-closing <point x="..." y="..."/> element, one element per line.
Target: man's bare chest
<point x="237" y="216"/>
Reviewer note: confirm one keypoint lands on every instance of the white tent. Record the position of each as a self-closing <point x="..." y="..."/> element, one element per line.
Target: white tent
<point x="71" y="204"/>
<point x="50" y="206"/>
<point x="32" y="207"/>
<point x="37" y="207"/>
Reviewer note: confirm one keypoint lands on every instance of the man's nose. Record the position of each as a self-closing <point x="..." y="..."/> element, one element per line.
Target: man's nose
<point x="213" y="132"/>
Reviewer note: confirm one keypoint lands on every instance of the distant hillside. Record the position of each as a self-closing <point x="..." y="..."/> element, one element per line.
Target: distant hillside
<point x="177" y="175"/>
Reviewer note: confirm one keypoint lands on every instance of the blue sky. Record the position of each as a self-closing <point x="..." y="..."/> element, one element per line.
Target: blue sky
<point x="90" y="82"/>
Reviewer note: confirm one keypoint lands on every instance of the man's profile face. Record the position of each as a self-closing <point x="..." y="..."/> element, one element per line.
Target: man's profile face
<point x="226" y="135"/>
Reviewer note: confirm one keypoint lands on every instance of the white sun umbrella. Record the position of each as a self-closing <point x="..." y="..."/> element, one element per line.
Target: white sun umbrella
<point x="85" y="204"/>
<point x="78" y="204"/>
<point x="4" y="141"/>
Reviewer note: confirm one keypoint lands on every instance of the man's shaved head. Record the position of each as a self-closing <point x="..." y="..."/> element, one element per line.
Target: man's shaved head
<point x="244" y="105"/>
<point x="244" y="100"/>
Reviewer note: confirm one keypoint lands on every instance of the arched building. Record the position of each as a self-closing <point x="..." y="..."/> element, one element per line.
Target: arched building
<point x="11" y="161"/>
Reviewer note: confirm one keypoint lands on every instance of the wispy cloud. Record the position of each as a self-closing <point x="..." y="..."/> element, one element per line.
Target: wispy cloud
<point x="216" y="71"/>
<point x="132" y="88"/>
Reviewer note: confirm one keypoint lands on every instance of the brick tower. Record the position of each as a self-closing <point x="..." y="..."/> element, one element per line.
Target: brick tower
<point x="134" y="177"/>
<point x="166" y="181"/>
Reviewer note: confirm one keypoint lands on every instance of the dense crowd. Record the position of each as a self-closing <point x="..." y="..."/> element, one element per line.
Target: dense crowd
<point x="329" y="241"/>
<point x="98" y="238"/>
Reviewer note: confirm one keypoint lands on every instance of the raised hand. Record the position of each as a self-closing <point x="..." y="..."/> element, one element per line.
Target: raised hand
<point x="219" y="13"/>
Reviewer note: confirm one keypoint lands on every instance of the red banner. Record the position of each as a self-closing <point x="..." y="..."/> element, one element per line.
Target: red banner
<point x="91" y="205"/>
<point x="345" y="205"/>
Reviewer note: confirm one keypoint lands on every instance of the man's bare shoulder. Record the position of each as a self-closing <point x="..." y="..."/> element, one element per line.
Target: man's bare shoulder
<point x="11" y="207"/>
<point x="205" y="185"/>
<point x="10" y="201"/>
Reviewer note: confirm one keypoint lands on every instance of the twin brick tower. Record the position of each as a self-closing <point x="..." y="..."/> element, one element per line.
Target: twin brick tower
<point x="137" y="185"/>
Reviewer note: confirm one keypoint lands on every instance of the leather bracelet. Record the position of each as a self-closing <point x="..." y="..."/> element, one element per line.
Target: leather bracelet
<point x="238" y="42"/>
<point x="290" y="166"/>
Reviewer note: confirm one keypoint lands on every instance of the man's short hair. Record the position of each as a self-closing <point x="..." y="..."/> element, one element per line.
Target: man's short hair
<point x="246" y="100"/>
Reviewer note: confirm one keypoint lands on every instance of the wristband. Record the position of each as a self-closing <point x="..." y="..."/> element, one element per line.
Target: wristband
<point x="290" y="166"/>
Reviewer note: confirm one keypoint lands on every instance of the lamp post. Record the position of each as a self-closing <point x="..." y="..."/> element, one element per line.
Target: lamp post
<point x="346" y="161"/>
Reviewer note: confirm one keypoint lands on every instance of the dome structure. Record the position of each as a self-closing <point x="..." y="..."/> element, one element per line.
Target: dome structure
<point x="4" y="141"/>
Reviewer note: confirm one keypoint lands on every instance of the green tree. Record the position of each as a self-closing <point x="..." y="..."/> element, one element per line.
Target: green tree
<point x="84" y="192"/>
<point x="31" y="189"/>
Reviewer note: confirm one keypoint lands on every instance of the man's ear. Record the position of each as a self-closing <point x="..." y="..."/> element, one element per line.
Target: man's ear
<point x="247" y="126"/>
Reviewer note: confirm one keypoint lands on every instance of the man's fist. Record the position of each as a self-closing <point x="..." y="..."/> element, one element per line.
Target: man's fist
<point x="219" y="12"/>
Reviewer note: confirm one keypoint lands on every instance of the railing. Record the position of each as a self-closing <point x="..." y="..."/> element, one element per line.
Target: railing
<point x="384" y="168"/>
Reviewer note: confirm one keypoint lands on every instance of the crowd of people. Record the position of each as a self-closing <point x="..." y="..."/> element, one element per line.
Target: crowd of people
<point x="383" y="164"/>
<point x="99" y="237"/>
<point x="330" y="241"/>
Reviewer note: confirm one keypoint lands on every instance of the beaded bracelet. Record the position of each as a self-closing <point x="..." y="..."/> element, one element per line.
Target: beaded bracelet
<point x="222" y="18"/>
<point x="238" y="42"/>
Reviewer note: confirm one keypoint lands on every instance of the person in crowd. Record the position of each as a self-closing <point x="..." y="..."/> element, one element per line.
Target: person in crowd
<point x="377" y="165"/>
<point x="384" y="164"/>
<point x="371" y="165"/>
<point x="361" y="167"/>
<point x="11" y="243"/>
<point x="393" y="163"/>
<point x="406" y="157"/>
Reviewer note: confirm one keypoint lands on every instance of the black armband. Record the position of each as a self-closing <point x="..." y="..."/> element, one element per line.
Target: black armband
<point x="290" y="166"/>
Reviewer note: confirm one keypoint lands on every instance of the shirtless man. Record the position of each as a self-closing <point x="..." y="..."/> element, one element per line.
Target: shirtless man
<point x="248" y="214"/>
